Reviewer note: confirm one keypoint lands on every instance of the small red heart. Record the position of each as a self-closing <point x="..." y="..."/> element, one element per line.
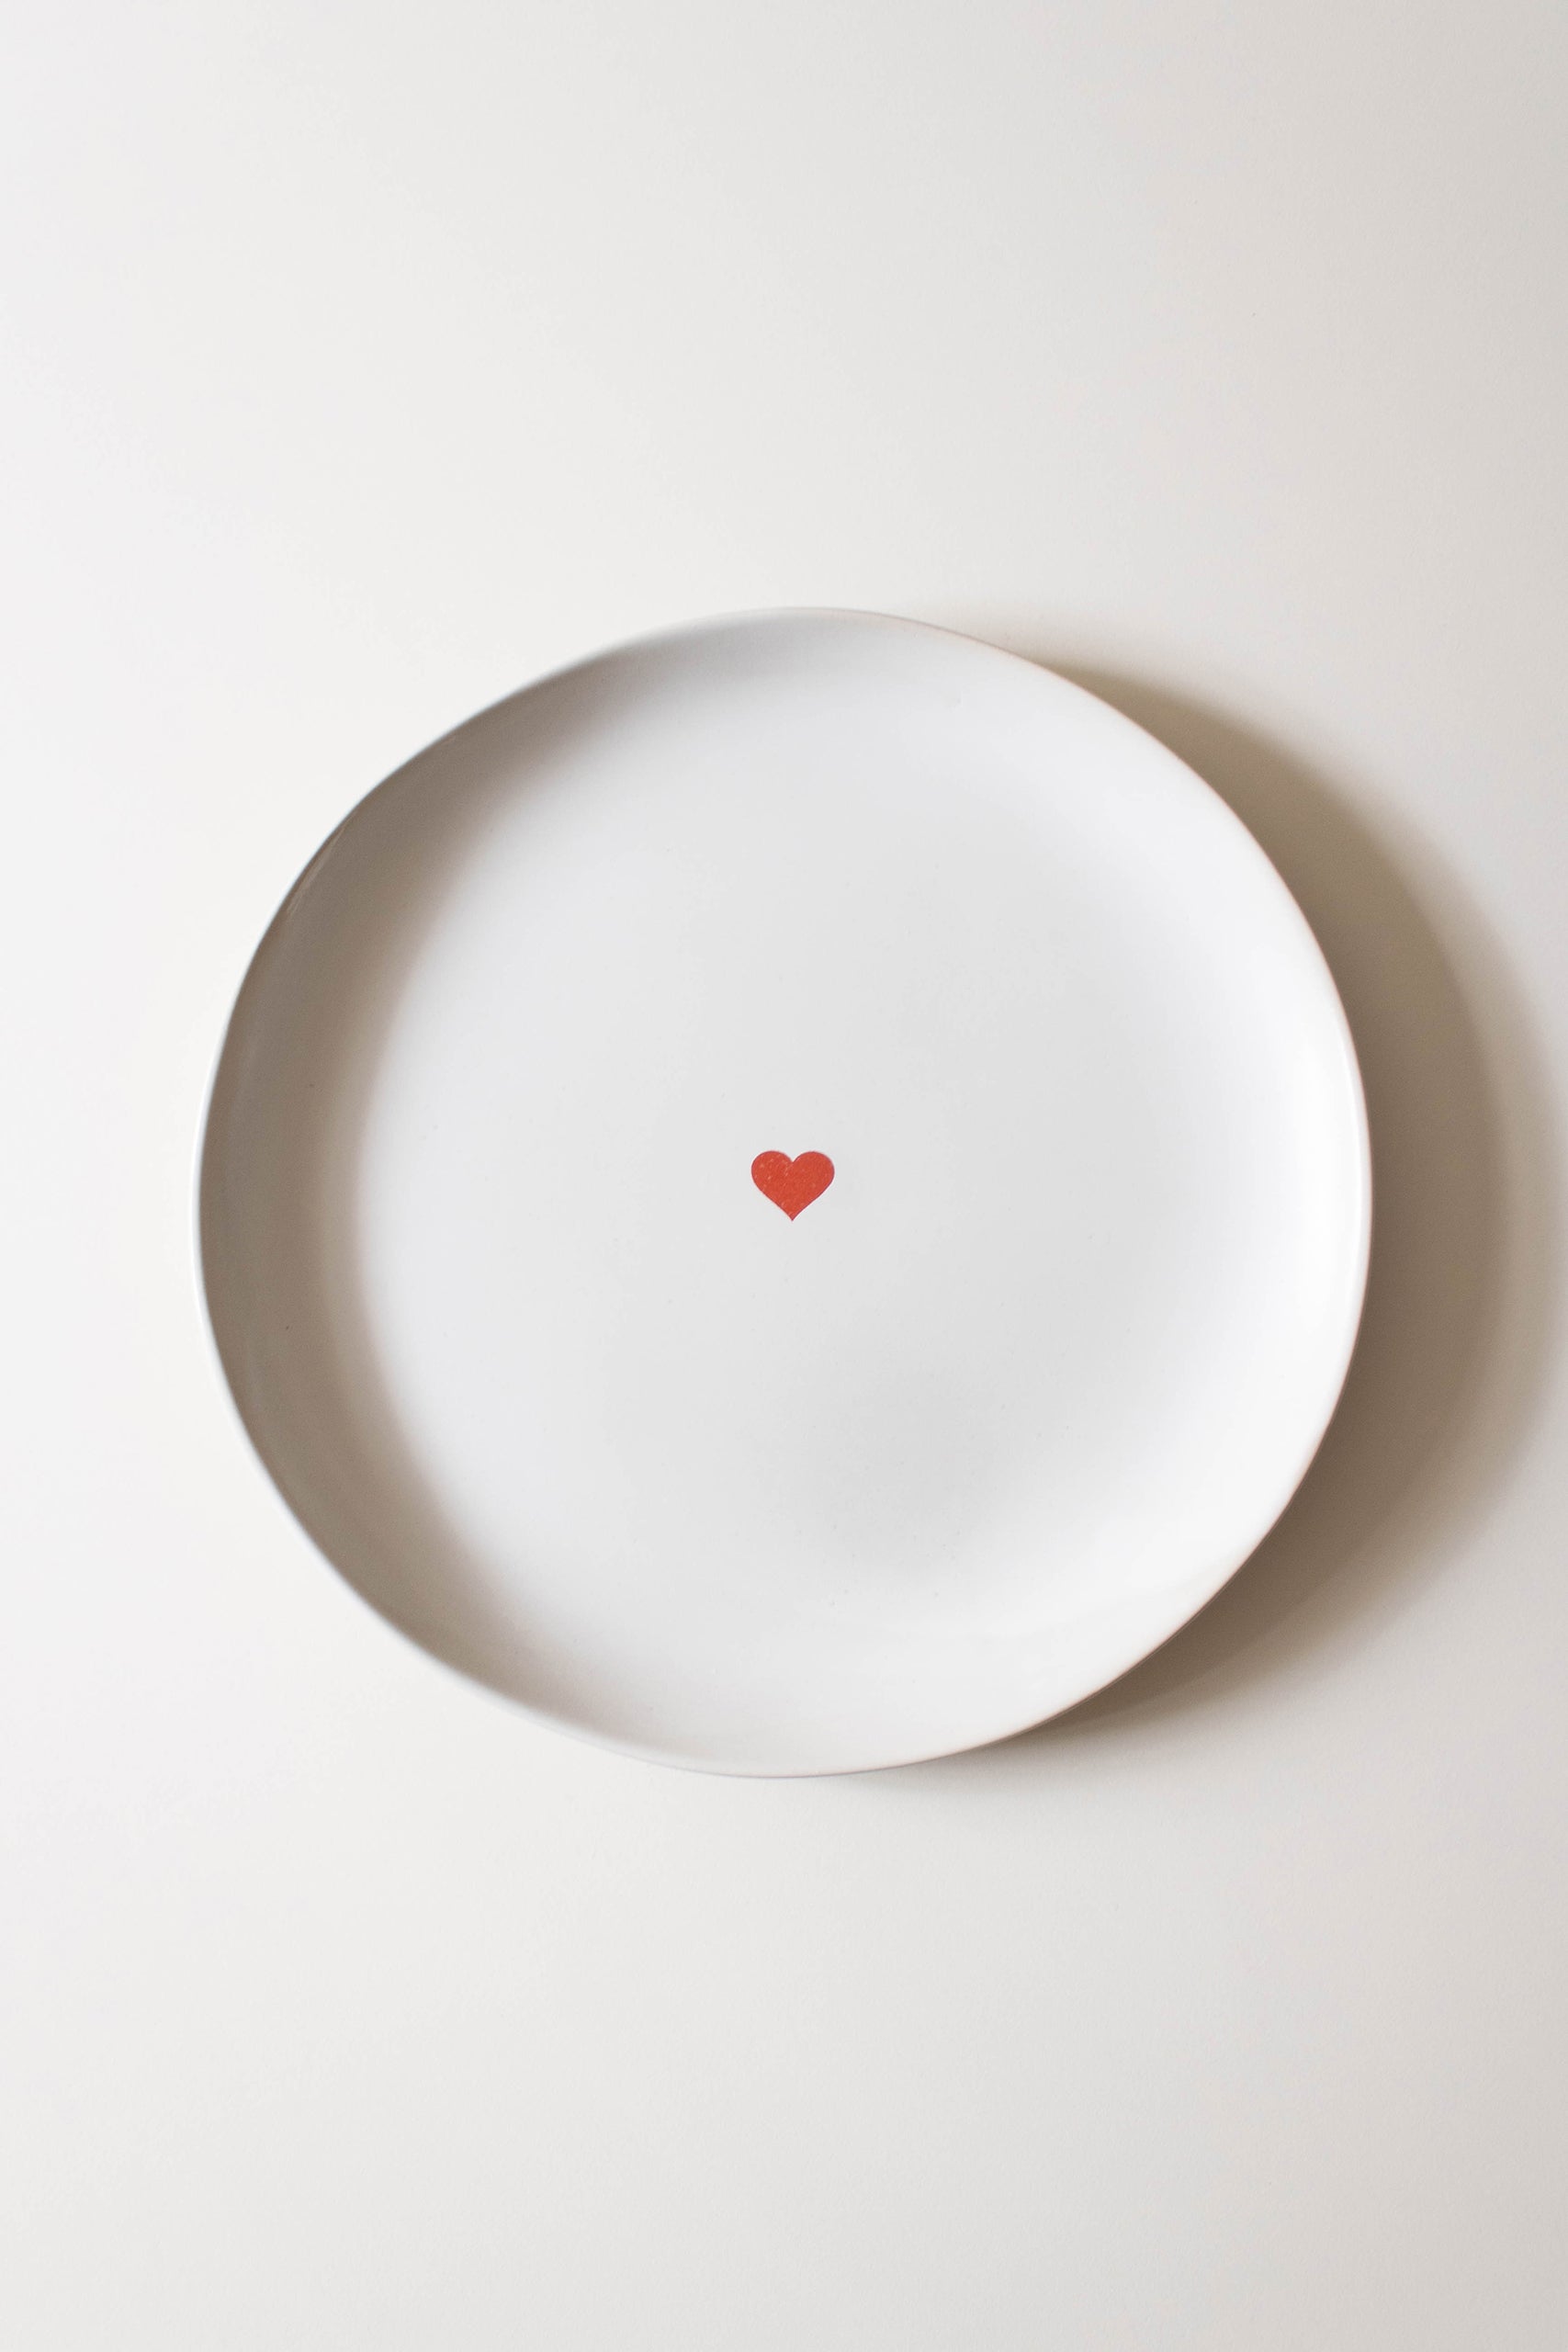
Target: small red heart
<point x="792" y="1184"/>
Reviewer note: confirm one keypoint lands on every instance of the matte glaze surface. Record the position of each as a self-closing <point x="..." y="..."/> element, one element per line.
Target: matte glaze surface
<point x="940" y="954"/>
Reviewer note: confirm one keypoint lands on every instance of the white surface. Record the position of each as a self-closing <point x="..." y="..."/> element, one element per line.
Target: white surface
<point x="544" y="1374"/>
<point x="361" y="362"/>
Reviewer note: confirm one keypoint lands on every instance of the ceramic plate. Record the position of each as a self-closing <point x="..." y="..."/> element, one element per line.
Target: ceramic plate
<point x="794" y="1197"/>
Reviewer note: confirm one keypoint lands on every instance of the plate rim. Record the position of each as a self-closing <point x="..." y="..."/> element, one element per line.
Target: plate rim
<point x="651" y="641"/>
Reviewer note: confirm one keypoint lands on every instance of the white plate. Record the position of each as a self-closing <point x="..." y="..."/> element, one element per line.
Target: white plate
<point x="880" y="1474"/>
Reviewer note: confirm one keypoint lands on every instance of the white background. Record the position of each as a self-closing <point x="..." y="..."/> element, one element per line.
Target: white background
<point x="360" y="363"/>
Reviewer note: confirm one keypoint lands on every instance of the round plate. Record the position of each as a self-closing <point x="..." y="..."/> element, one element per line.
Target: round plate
<point x="794" y="1197"/>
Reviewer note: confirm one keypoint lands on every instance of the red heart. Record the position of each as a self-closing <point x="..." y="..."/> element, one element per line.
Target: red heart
<point x="792" y="1184"/>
